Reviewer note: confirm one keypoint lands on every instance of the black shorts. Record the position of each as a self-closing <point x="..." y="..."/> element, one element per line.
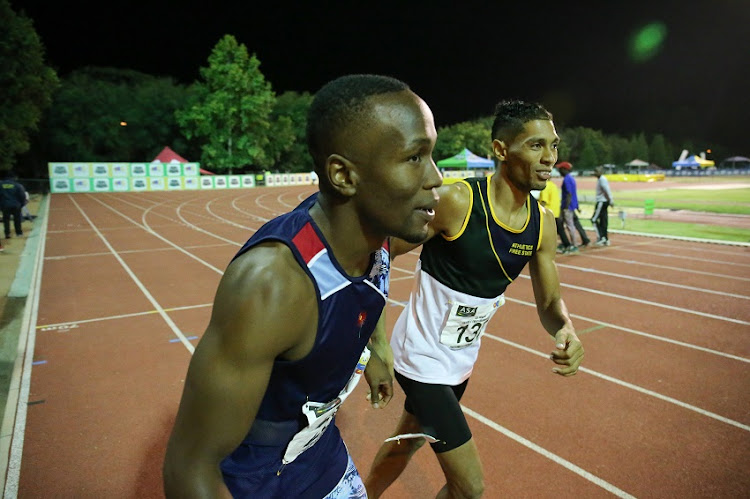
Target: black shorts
<point x="437" y="409"/>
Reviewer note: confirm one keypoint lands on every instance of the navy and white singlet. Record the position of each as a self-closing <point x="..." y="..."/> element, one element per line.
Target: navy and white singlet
<point x="348" y="310"/>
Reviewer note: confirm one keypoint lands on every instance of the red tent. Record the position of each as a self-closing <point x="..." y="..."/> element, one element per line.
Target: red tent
<point x="167" y="154"/>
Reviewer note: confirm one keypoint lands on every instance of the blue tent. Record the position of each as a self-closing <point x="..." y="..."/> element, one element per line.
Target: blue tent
<point x="690" y="162"/>
<point x="466" y="159"/>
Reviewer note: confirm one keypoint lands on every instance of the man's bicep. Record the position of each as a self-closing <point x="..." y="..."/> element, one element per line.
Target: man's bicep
<point x="544" y="277"/>
<point x="250" y="327"/>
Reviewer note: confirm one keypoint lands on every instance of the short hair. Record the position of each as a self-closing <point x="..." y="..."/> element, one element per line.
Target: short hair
<point x="511" y="115"/>
<point x="339" y="104"/>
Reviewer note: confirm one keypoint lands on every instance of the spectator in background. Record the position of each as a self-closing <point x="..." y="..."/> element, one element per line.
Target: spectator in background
<point x="12" y="198"/>
<point x="25" y="213"/>
<point x="603" y="199"/>
<point x="569" y="206"/>
<point x="549" y="197"/>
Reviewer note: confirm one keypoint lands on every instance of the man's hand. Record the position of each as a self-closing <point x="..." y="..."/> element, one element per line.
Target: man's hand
<point x="380" y="378"/>
<point x="568" y="352"/>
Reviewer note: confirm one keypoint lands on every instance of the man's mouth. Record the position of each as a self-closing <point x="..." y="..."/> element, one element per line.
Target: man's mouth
<point x="545" y="174"/>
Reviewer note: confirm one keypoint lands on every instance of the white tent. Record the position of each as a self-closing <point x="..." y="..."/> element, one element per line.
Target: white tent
<point x="637" y="163"/>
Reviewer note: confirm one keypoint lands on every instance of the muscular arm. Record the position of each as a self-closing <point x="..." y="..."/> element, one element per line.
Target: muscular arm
<point x="450" y="214"/>
<point x="379" y="370"/>
<point x="549" y="303"/>
<point x="228" y="375"/>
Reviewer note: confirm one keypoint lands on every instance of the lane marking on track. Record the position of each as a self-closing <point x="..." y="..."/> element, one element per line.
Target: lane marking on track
<point x="156" y="234"/>
<point x="627" y="329"/>
<point x="190" y="338"/>
<point x="549" y="455"/>
<point x="631" y="386"/>
<point x="176" y="330"/>
<point x="625" y="384"/>
<point x="651" y="281"/>
<point x="129" y="252"/>
<point x="74" y="324"/>
<point x="402" y="278"/>
<point x="590" y="330"/>
<point x="20" y="383"/>
<point x="642" y="333"/>
<point x="670" y="255"/>
<point x="651" y="303"/>
<point x="679" y="269"/>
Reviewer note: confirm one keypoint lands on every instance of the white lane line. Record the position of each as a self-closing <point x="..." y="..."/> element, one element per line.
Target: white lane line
<point x="121" y="316"/>
<point x="200" y="229"/>
<point x="631" y="386"/>
<point x="130" y="252"/>
<point x="679" y="269"/>
<point x="250" y="214"/>
<point x="176" y="330"/>
<point x="652" y="303"/>
<point x="20" y="384"/>
<point x="692" y="258"/>
<point x="641" y="333"/>
<point x="652" y="281"/>
<point x="621" y="328"/>
<point x="156" y="234"/>
<point x="618" y="382"/>
<point x="549" y="455"/>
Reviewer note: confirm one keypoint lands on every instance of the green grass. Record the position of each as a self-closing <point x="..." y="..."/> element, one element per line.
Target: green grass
<point x="701" y="231"/>
<point x="730" y="201"/>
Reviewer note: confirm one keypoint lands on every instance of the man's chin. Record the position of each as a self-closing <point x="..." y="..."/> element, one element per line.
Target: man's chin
<point x="414" y="237"/>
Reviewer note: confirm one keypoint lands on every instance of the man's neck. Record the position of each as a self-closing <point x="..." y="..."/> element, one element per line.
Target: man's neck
<point x="508" y="201"/>
<point x="342" y="231"/>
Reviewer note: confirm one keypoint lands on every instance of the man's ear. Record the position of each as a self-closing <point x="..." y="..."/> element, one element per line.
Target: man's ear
<point x="500" y="150"/>
<point x="342" y="175"/>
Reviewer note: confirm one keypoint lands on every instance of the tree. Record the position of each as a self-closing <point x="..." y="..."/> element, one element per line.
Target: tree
<point x="230" y="112"/>
<point x="106" y="114"/>
<point x="587" y="158"/>
<point x="658" y="152"/>
<point x="288" y="141"/>
<point x="26" y="83"/>
<point x="622" y="152"/>
<point x="472" y="135"/>
<point x="639" y="147"/>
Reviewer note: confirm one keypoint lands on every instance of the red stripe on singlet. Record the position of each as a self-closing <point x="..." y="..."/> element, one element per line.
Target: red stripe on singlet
<point x="307" y="242"/>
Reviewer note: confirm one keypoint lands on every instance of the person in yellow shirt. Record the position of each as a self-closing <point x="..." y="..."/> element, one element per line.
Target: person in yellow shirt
<point x="549" y="197"/>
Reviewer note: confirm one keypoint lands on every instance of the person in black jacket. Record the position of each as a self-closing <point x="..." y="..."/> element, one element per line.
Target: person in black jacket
<point x="12" y="198"/>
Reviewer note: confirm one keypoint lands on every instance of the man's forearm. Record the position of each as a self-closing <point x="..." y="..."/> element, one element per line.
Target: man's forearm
<point x="555" y="317"/>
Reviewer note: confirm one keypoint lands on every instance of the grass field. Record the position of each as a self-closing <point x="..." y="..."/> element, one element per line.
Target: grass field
<point x="731" y="201"/>
<point x="730" y="196"/>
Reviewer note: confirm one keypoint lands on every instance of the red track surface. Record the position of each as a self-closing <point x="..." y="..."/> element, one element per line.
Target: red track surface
<point x="661" y="408"/>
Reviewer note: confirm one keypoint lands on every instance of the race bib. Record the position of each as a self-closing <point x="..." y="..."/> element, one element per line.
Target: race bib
<point x="319" y="415"/>
<point x="466" y="323"/>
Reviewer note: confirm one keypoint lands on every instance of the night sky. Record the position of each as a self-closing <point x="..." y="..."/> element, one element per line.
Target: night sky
<point x="691" y="80"/>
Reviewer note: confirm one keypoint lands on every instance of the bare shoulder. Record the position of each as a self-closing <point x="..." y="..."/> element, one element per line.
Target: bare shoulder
<point x="255" y="297"/>
<point x="455" y="202"/>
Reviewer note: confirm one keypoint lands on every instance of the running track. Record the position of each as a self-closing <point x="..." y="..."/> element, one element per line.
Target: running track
<point x="660" y="409"/>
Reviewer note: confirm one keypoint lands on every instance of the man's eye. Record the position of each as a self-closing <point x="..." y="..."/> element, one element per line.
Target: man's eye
<point x="536" y="146"/>
<point x="416" y="158"/>
<point x="555" y="146"/>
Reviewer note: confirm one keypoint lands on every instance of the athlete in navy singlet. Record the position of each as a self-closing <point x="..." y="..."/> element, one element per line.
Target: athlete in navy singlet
<point x="296" y="320"/>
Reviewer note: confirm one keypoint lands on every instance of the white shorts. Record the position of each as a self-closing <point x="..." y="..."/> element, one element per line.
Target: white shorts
<point x="350" y="486"/>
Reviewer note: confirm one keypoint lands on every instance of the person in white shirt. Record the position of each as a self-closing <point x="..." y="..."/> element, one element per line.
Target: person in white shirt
<point x="600" y="219"/>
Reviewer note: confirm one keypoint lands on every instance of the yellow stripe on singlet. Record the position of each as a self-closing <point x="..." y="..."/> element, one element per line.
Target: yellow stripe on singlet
<point x="468" y="212"/>
<point x="489" y="234"/>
